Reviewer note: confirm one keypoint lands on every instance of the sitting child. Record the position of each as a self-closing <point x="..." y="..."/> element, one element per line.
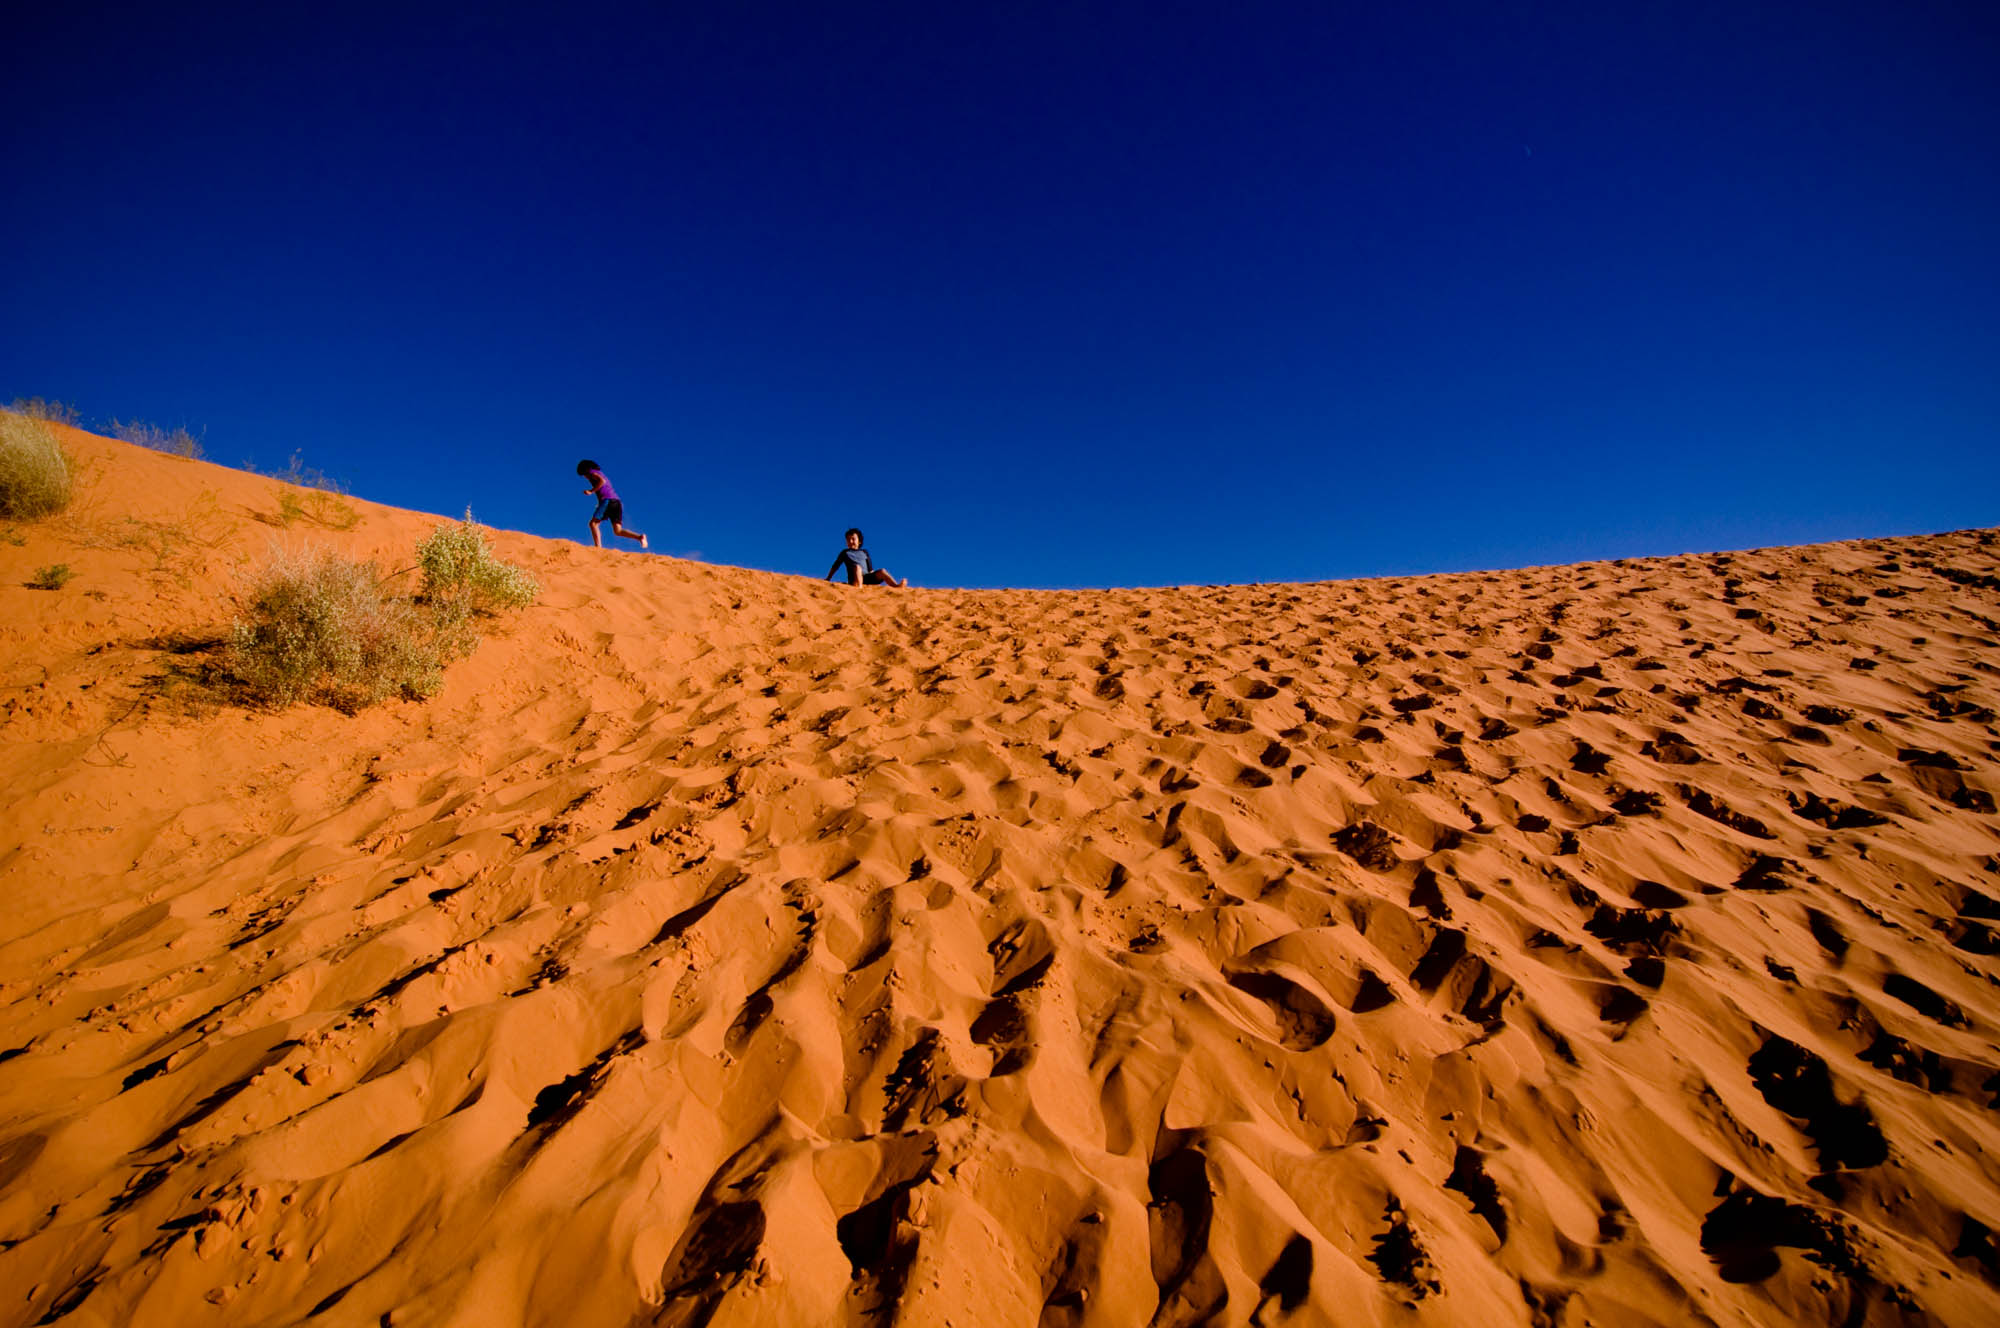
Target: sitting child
<point x="861" y="569"/>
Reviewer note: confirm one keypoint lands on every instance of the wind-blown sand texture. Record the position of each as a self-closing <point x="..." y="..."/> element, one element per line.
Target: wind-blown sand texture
<point x="1604" y="944"/>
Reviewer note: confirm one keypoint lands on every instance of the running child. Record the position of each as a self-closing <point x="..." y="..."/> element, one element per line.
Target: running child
<point x="607" y="505"/>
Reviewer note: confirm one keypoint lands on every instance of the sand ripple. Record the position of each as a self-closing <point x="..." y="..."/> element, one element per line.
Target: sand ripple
<point x="1610" y="943"/>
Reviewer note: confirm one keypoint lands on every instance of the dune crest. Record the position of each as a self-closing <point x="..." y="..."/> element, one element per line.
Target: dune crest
<point x="1610" y="943"/>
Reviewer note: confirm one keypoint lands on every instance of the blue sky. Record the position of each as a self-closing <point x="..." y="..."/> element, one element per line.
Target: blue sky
<point x="1040" y="294"/>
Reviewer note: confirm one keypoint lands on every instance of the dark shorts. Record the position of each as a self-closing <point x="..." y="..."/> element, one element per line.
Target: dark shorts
<point x="609" y="507"/>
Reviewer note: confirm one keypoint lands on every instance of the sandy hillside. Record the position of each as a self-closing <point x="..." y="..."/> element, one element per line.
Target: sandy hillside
<point x="1608" y="944"/>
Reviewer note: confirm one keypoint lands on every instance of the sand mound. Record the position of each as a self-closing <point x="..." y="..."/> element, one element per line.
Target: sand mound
<point x="1608" y="944"/>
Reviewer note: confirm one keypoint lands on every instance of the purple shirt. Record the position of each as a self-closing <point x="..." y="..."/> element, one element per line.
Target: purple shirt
<point x="602" y="488"/>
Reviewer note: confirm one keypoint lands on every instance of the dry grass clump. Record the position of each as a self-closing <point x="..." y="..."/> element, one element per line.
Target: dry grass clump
<point x="53" y="577"/>
<point x="55" y="412"/>
<point x="321" y="507"/>
<point x="320" y="626"/>
<point x="178" y="442"/>
<point x="35" y="470"/>
<point x="317" y="625"/>
<point x="297" y="472"/>
<point x="311" y="496"/>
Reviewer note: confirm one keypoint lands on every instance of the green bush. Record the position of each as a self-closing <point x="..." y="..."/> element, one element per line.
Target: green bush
<point x="54" y="577"/>
<point x="178" y="443"/>
<point x="34" y="469"/>
<point x="460" y="570"/>
<point x="317" y="625"/>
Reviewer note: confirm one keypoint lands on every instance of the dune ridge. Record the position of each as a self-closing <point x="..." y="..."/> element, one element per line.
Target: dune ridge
<point x="1607" y="944"/>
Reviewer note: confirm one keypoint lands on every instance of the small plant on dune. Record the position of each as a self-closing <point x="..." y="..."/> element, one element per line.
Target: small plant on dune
<point x="53" y="577"/>
<point x="316" y="624"/>
<point x="321" y="507"/>
<point x="178" y="442"/>
<point x="35" y="469"/>
<point x="297" y="472"/>
<point x="311" y="496"/>
<point x="463" y="578"/>
<point x="53" y="412"/>
<point x="320" y="625"/>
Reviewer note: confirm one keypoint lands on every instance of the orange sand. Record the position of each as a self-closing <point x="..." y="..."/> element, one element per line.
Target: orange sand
<point x="1606" y="944"/>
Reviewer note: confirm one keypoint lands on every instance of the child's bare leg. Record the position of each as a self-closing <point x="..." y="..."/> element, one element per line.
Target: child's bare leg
<point x="596" y="540"/>
<point x="630" y="534"/>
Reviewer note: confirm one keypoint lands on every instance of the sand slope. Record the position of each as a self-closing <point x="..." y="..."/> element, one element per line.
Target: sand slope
<point x="1602" y="944"/>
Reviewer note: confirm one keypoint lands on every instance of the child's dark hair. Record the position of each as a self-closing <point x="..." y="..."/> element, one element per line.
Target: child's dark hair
<point x="585" y="467"/>
<point x="856" y="532"/>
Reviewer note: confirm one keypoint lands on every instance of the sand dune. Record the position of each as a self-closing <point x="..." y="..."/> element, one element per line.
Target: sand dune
<point x="1604" y="944"/>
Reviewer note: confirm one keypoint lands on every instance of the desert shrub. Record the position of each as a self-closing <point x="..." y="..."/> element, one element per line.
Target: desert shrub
<point x="319" y="625"/>
<point x="316" y="624"/>
<point x="53" y="577"/>
<point x="178" y="443"/>
<point x="34" y="468"/>
<point x="54" y="412"/>
<point x="307" y="477"/>
<point x="462" y="579"/>
<point x="459" y="569"/>
<point x="321" y="507"/>
<point x="297" y="472"/>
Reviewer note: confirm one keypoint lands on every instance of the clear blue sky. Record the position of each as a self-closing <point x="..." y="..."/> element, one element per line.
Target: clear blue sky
<point x="1039" y="294"/>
